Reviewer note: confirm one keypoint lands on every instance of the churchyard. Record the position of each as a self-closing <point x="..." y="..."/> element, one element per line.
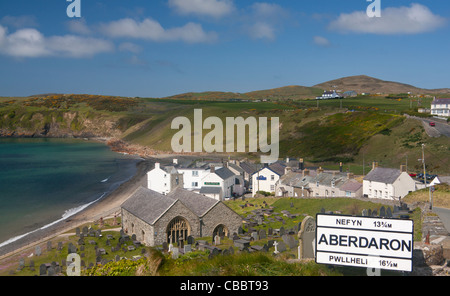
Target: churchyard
<point x="269" y="235"/>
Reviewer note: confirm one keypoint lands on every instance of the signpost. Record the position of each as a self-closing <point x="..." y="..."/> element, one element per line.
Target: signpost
<point x="365" y="242"/>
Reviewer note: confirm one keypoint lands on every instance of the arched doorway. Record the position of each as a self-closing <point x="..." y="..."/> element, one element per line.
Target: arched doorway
<point x="178" y="229"/>
<point x="220" y="230"/>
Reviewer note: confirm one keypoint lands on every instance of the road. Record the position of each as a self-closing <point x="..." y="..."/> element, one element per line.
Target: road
<point x="441" y="128"/>
<point x="444" y="215"/>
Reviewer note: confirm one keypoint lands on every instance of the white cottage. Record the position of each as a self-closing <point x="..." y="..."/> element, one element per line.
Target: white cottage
<point x="266" y="178"/>
<point x="387" y="183"/>
<point x="164" y="179"/>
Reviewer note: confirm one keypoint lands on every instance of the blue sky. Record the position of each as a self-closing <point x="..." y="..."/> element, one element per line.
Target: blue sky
<point x="156" y="48"/>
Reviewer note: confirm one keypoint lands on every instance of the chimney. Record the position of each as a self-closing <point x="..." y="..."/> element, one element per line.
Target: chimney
<point x="266" y="165"/>
<point x="305" y="172"/>
<point x="319" y="170"/>
<point x="301" y="166"/>
<point x="213" y="169"/>
<point x="402" y="168"/>
<point x="175" y="161"/>
<point x="340" y="167"/>
<point x="374" y="165"/>
<point x="287" y="160"/>
<point x="157" y="165"/>
<point x="287" y="170"/>
<point x="350" y="175"/>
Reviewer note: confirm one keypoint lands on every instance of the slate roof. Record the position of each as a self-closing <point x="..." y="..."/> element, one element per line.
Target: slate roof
<point x="150" y="205"/>
<point x="224" y="173"/>
<point x="147" y="204"/>
<point x="295" y="179"/>
<point x="248" y="167"/>
<point x="440" y="101"/>
<point x="383" y="175"/>
<point x="210" y="190"/>
<point x="197" y="203"/>
<point x="351" y="185"/>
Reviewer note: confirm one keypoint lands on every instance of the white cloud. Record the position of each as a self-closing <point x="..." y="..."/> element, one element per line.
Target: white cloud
<point x="213" y="8"/>
<point x="30" y="43"/>
<point x="150" y="29"/>
<point x="79" y="26"/>
<point x="131" y="47"/>
<point x="264" y="20"/>
<point x="261" y="30"/>
<point x="321" y="41"/>
<point x="402" y="20"/>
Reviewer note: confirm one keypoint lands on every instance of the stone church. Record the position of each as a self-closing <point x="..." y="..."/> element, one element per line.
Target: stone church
<point x="155" y="218"/>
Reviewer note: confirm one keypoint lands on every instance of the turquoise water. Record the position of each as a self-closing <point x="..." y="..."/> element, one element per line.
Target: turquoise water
<point x="45" y="180"/>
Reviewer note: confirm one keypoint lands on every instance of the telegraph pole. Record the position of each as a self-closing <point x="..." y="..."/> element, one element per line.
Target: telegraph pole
<point x="425" y="175"/>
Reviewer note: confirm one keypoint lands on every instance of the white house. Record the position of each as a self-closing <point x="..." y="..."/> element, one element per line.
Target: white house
<point x="266" y="178"/>
<point x="192" y="176"/>
<point x="164" y="179"/>
<point x="332" y="94"/>
<point x="225" y="179"/>
<point x="440" y="107"/>
<point x="387" y="183"/>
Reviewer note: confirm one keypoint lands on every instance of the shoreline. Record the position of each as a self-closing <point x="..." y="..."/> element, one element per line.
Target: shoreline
<point x="107" y="206"/>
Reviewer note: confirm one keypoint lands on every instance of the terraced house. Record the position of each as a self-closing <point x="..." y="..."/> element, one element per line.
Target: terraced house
<point x="388" y="183"/>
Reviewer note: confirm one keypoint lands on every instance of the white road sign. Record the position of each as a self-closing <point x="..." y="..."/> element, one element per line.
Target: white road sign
<point x="364" y="242"/>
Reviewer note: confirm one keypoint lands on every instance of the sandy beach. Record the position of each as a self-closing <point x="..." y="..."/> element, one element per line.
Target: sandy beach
<point x="108" y="206"/>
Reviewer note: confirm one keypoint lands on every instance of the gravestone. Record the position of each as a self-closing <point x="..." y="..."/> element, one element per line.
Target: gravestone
<point x="389" y="213"/>
<point x="187" y="248"/>
<point x="175" y="253"/>
<point x="255" y="236"/>
<point x="77" y="231"/>
<point x="242" y="244"/>
<point x="60" y="246"/>
<point x="262" y="234"/>
<point x="42" y="269"/>
<point x="282" y="231"/>
<point x="165" y="247"/>
<point x="306" y="236"/>
<point x="382" y="212"/>
<point x="375" y="213"/>
<point x="190" y="240"/>
<point x="21" y="264"/>
<point x="217" y="240"/>
<point x="289" y="241"/>
<point x="37" y="251"/>
<point x="270" y="231"/>
<point x="49" y="245"/>
<point x="364" y="213"/>
<point x="281" y="247"/>
<point x="240" y="230"/>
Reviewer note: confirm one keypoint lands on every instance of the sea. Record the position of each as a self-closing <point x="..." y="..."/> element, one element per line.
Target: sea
<point x="44" y="181"/>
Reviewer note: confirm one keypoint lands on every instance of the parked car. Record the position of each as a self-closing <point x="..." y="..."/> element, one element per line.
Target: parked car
<point x="412" y="175"/>
<point x="432" y="124"/>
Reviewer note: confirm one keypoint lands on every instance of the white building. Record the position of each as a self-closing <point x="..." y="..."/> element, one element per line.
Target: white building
<point x="440" y="107"/>
<point x="332" y="94"/>
<point x="225" y="179"/>
<point x="192" y="176"/>
<point x="164" y="179"/>
<point x="387" y="183"/>
<point x="266" y="178"/>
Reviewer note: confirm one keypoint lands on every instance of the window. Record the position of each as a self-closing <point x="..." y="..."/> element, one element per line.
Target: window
<point x="194" y="184"/>
<point x="194" y="173"/>
<point x="272" y="187"/>
<point x="272" y="177"/>
<point x="348" y="193"/>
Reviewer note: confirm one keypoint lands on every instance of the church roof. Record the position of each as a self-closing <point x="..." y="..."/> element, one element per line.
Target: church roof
<point x="197" y="203"/>
<point x="150" y="205"/>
